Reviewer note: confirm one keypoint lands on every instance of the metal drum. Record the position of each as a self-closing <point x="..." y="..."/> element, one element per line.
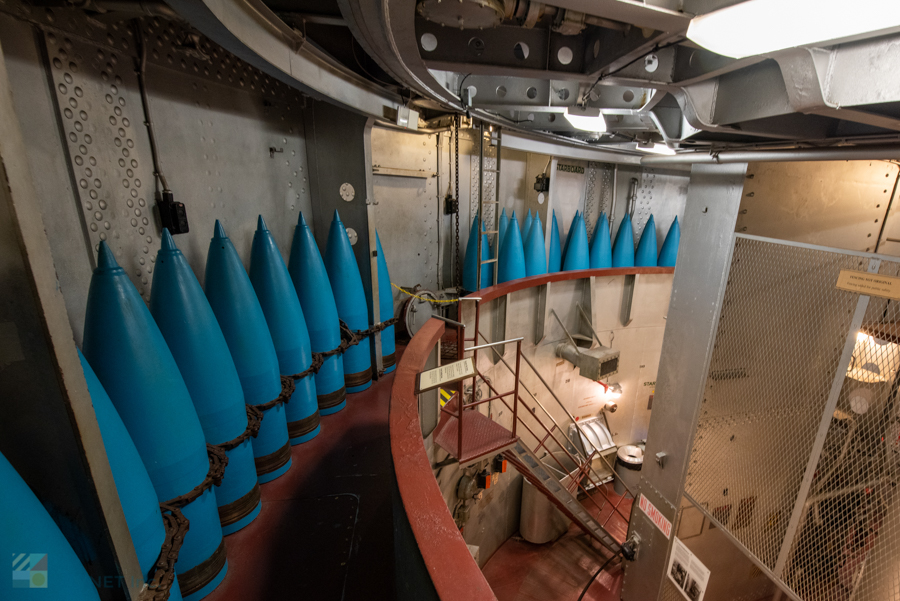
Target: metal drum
<point x="540" y="521"/>
<point x="629" y="461"/>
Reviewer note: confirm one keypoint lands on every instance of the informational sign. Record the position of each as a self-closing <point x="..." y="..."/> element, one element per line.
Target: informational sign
<point x="687" y="573"/>
<point x="664" y="525"/>
<point x="452" y="372"/>
<point x="872" y="284"/>
<point x="569" y="168"/>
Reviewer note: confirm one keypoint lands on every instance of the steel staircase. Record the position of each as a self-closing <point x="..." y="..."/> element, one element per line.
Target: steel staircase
<point x="531" y="468"/>
<point x="469" y="435"/>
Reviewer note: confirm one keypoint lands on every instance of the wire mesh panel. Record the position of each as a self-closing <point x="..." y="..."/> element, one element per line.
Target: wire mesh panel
<point x="809" y="495"/>
<point x="848" y="541"/>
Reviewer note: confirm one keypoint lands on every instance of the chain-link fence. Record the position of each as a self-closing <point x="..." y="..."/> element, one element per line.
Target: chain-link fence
<point x="797" y="439"/>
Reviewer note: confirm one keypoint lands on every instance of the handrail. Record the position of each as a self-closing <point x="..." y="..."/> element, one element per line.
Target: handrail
<point x="505" y="288"/>
<point x="576" y="480"/>
<point x="580" y="461"/>
<point x="498" y="290"/>
<point x="453" y="571"/>
<point x="567" y="412"/>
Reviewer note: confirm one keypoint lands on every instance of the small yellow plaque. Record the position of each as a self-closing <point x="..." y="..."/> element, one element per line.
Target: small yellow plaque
<point x="453" y="372"/>
<point x="871" y="284"/>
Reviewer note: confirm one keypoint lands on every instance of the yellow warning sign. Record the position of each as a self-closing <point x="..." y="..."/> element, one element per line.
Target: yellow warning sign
<point x="871" y="284"/>
<point x="446" y="395"/>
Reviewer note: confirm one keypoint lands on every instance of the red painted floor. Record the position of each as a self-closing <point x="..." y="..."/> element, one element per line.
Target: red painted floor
<point x="325" y="531"/>
<point x="558" y="571"/>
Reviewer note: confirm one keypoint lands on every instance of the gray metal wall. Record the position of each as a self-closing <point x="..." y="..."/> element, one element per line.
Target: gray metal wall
<point x="90" y="151"/>
<point x="842" y="204"/>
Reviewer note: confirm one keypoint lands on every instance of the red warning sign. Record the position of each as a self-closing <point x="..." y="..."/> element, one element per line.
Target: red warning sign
<point x="664" y="525"/>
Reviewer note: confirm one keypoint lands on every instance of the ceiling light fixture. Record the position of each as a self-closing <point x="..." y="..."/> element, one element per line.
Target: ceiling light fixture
<point x="762" y="26"/>
<point x="586" y="119"/>
<point x="655" y="148"/>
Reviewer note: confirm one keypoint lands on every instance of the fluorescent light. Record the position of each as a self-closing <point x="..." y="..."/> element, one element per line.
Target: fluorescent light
<point x="655" y="148"/>
<point x="762" y="26"/>
<point x="586" y="119"/>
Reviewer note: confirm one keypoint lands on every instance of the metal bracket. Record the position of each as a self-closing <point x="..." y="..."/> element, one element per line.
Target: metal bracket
<point x="498" y="325"/>
<point x="590" y="326"/>
<point x="540" y="330"/>
<point x="661" y="459"/>
<point x="588" y="298"/>
<point x="569" y="336"/>
<point x="628" y="299"/>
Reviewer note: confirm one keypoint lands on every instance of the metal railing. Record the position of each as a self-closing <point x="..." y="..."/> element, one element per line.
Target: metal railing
<point x="584" y="470"/>
<point x="462" y="406"/>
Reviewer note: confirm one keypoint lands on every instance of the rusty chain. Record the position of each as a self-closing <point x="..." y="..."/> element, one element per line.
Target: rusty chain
<point x="348" y="338"/>
<point x="254" y="421"/>
<point x="163" y="575"/>
<point x="176" y="525"/>
<point x="287" y="391"/>
<point x="217" y="462"/>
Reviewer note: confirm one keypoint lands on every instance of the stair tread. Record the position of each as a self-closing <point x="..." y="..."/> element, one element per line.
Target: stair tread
<point x="481" y="435"/>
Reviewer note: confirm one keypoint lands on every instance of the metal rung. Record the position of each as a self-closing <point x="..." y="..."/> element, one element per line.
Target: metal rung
<point x="490" y="202"/>
<point x="491" y="170"/>
<point x="488" y="261"/>
<point x="491" y="232"/>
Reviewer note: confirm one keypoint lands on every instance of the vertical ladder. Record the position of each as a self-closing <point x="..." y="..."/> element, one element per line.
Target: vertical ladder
<point x="495" y="138"/>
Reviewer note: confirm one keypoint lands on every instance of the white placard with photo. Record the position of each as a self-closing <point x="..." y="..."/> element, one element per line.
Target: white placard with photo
<point x="687" y="573"/>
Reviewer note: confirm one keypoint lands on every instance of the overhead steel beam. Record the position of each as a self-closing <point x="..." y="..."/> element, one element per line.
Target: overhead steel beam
<point x="629" y="11"/>
<point x="562" y="147"/>
<point x="697" y="103"/>
<point x="386" y="31"/>
<point x="881" y="152"/>
<point x="813" y="77"/>
<point x="248" y="29"/>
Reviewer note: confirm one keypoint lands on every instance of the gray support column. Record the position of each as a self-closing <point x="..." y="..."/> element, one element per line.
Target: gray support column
<point x="377" y="355"/>
<point x="339" y="154"/>
<point x="704" y="256"/>
<point x="49" y="432"/>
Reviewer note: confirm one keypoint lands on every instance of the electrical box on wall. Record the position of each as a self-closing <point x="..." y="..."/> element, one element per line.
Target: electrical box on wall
<point x="451" y="205"/>
<point x="408" y="118"/>
<point x="172" y="215"/>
